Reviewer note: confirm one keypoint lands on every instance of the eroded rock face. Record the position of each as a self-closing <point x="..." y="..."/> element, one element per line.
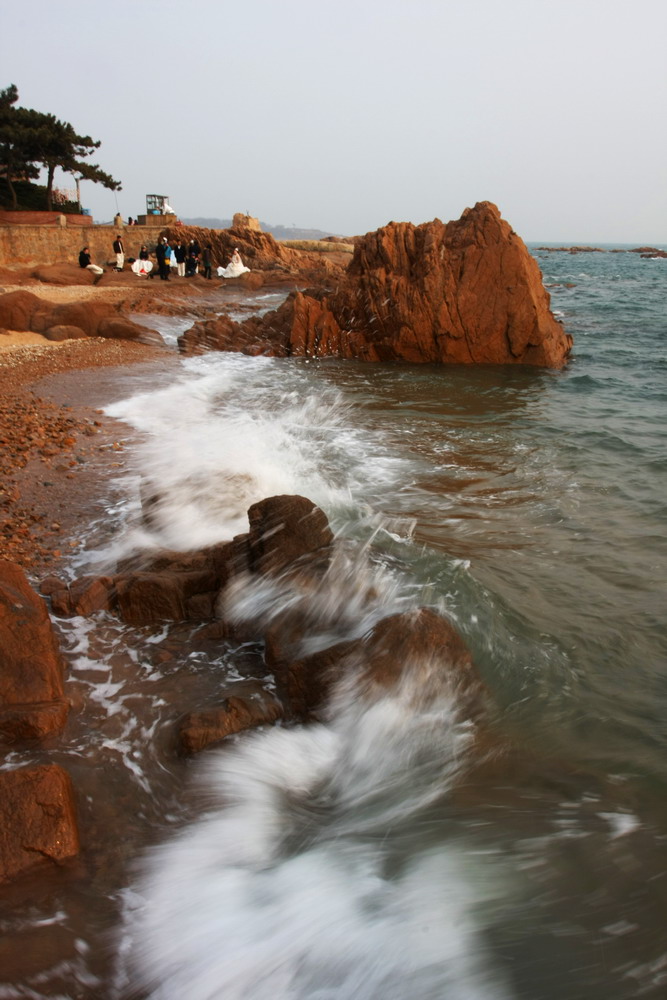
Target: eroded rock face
<point x="465" y="292"/>
<point x="37" y="819"/>
<point x="32" y="705"/>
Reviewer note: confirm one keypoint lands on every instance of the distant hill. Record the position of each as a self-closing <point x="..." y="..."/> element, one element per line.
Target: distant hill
<point x="278" y="232"/>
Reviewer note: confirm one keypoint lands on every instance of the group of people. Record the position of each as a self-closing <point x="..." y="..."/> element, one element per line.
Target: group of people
<point x="185" y="259"/>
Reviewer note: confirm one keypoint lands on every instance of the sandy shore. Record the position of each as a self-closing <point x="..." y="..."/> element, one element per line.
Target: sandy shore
<point x="54" y="454"/>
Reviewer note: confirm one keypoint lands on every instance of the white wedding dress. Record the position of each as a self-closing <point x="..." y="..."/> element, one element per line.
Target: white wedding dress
<point x="234" y="268"/>
<point x="142" y="266"/>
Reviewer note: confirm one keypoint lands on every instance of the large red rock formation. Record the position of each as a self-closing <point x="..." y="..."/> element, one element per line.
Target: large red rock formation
<point x="465" y="292"/>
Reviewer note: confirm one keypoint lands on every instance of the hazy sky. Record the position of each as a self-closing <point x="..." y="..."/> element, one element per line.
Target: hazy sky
<point x="345" y="115"/>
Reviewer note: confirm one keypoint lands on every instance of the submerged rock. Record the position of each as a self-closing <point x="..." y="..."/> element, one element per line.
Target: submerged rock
<point x="465" y="292"/>
<point x="199" y="730"/>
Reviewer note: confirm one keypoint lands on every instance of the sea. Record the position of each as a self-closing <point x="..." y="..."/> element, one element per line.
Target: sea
<point x="387" y="851"/>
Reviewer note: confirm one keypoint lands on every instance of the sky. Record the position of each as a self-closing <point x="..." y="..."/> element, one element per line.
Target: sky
<point x="343" y="116"/>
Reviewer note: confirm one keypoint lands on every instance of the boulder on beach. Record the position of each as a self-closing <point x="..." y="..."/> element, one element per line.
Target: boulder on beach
<point x="464" y="292"/>
<point x="64" y="274"/>
<point x="37" y="819"/>
<point x="23" y="311"/>
<point x="17" y="310"/>
<point x="32" y="704"/>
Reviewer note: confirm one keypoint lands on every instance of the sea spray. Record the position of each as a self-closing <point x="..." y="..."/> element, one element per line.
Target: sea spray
<point x="308" y="876"/>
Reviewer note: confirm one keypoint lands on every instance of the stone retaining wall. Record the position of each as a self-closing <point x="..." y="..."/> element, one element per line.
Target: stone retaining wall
<point x="55" y="244"/>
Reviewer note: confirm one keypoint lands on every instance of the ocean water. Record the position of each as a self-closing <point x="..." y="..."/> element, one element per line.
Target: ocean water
<point x="381" y="853"/>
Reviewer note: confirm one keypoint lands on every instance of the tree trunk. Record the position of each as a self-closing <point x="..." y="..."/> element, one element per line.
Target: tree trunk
<point x="49" y="187"/>
<point x="12" y="191"/>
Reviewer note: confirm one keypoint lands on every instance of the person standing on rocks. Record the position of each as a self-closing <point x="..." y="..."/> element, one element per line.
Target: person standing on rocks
<point x="163" y="254"/>
<point x="119" y="250"/>
<point x="180" y="254"/>
<point x="207" y="260"/>
<point x="85" y="261"/>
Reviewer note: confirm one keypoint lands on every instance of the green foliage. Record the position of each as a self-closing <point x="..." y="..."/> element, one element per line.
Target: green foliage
<point x="32" y="139"/>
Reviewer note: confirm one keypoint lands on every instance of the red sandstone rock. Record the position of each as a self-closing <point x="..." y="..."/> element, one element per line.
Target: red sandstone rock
<point x="119" y="328"/>
<point x="284" y="529"/>
<point x="222" y="334"/>
<point x="22" y="310"/>
<point x="17" y="309"/>
<point x="201" y="729"/>
<point x="86" y="315"/>
<point x="418" y="645"/>
<point x="37" y="819"/>
<point x="64" y="332"/>
<point x="31" y="668"/>
<point x="64" y="274"/>
<point x="467" y="292"/>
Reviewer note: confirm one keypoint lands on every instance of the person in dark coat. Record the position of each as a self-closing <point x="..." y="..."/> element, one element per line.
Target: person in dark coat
<point x="85" y="261"/>
<point x="119" y="250"/>
<point x="162" y="258"/>
<point x="207" y="260"/>
<point x="180" y="254"/>
<point x="192" y="260"/>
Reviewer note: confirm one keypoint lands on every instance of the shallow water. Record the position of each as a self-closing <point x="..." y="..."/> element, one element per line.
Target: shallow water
<point x="380" y="854"/>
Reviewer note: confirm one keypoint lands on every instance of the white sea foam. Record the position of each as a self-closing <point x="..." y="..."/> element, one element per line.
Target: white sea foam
<point x="220" y="438"/>
<point x="295" y="885"/>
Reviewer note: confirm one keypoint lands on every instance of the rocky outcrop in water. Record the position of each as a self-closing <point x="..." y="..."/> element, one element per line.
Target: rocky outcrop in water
<point x="465" y="292"/>
<point x="289" y="545"/>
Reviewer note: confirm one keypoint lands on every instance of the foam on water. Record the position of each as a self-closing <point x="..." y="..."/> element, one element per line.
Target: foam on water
<point x="294" y="885"/>
<point x="221" y="438"/>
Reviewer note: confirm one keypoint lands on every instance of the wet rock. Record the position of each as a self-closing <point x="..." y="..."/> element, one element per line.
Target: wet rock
<point x="83" y="596"/>
<point x="284" y="529"/>
<point x="31" y="668"/>
<point x="419" y="644"/>
<point x="37" y="819"/>
<point x="286" y="532"/>
<point x="304" y="684"/>
<point x="177" y="586"/>
<point x="199" y="730"/>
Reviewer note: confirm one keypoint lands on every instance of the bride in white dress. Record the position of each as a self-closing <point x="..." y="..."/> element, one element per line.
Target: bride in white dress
<point x="234" y="268"/>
